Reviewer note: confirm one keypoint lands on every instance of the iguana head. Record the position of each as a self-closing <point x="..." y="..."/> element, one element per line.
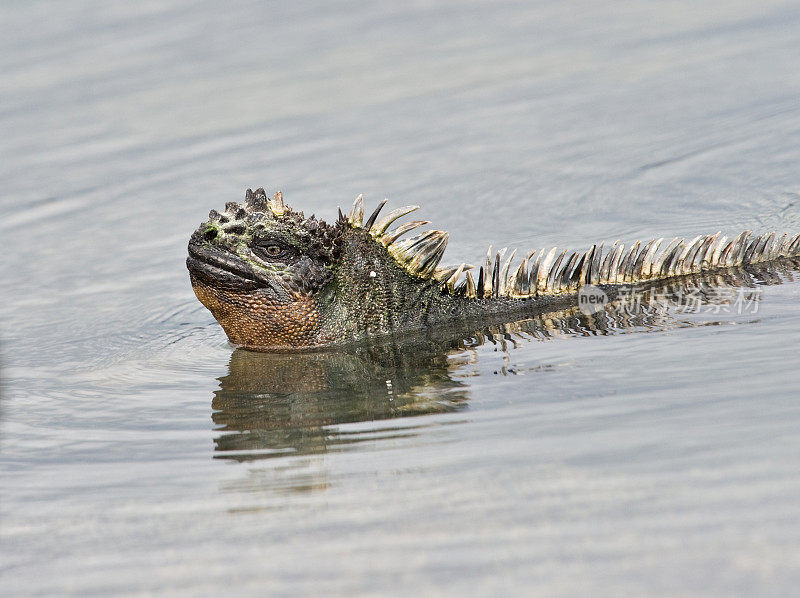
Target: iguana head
<point x="261" y="268"/>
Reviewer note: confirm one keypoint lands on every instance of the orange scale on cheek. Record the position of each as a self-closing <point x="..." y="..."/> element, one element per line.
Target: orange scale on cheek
<point x="254" y="320"/>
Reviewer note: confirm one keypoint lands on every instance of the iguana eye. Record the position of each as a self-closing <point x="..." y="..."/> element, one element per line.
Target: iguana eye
<point x="273" y="250"/>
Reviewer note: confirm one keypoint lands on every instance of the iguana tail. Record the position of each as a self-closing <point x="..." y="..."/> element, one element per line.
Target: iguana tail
<point x="552" y="273"/>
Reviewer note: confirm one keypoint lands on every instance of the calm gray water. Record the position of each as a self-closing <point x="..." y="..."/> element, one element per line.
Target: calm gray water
<point x="140" y="453"/>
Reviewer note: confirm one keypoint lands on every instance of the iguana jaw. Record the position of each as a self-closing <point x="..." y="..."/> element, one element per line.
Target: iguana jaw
<point x="256" y="320"/>
<point x="222" y="269"/>
<point x="255" y="312"/>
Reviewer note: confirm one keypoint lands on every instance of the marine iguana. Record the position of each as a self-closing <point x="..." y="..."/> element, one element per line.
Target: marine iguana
<point x="277" y="281"/>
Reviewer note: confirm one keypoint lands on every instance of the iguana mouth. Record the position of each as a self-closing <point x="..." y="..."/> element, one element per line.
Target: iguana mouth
<point x="224" y="270"/>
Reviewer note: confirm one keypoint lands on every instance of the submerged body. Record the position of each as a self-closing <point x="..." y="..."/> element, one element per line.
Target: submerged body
<point x="276" y="280"/>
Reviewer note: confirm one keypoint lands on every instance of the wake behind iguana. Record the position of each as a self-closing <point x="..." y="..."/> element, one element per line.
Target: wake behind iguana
<point x="276" y="280"/>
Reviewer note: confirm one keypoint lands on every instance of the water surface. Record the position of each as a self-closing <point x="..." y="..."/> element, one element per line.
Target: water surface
<point x="141" y="453"/>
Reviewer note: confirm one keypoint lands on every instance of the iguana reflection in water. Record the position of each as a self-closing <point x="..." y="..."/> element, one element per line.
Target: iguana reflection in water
<point x="272" y="402"/>
<point x="278" y="404"/>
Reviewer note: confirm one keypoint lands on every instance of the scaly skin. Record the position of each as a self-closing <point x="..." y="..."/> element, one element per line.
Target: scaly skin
<point x="277" y="281"/>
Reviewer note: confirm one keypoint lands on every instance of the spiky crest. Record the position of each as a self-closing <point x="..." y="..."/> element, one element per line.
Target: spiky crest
<point x="540" y="272"/>
<point x="552" y="272"/>
<point x="419" y="255"/>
